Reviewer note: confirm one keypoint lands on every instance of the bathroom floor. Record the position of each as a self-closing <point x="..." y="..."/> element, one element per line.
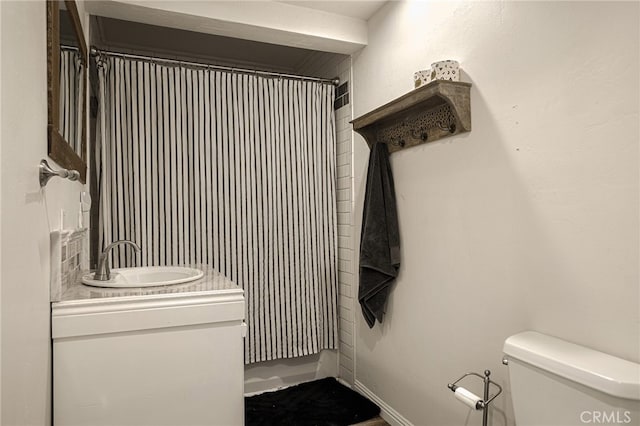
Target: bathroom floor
<point x="318" y="403"/>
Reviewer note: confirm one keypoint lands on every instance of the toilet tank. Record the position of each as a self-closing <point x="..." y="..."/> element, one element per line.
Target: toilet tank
<point x="554" y="382"/>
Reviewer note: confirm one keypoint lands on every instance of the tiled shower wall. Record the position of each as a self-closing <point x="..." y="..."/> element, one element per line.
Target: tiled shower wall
<point x="346" y="250"/>
<point x="330" y="66"/>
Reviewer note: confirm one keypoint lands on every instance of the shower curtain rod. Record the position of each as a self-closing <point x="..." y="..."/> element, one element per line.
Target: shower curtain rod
<point x="97" y="52"/>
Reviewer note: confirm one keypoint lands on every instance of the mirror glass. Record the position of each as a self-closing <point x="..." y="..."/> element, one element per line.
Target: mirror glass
<point x="70" y="122"/>
<point x="66" y="86"/>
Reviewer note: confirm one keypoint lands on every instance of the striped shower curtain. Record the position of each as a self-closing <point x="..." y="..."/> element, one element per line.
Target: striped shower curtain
<point x="71" y="96"/>
<point x="231" y="170"/>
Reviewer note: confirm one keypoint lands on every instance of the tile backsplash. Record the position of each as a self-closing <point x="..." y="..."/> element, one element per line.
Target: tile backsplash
<point x="68" y="259"/>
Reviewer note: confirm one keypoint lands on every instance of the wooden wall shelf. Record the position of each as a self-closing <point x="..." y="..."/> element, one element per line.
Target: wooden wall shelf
<point x="434" y="111"/>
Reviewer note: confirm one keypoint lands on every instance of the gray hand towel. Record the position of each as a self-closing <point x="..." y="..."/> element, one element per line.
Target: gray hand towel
<point x="380" y="238"/>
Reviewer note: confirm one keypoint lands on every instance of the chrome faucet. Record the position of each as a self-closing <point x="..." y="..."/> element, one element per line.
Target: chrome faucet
<point x="103" y="272"/>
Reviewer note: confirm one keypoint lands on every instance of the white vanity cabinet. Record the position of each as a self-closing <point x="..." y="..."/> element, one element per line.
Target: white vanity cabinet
<point x="155" y="359"/>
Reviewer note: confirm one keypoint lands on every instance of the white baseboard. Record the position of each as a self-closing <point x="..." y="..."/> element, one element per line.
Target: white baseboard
<point x="390" y="415"/>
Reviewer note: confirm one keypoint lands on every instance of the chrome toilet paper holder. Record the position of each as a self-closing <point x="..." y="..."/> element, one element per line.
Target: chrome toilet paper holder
<point x="481" y="404"/>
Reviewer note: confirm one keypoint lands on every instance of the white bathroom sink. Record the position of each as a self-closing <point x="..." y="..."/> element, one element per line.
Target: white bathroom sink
<point x="147" y="276"/>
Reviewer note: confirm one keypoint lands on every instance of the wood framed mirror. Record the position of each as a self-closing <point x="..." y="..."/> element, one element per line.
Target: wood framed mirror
<point x="67" y="56"/>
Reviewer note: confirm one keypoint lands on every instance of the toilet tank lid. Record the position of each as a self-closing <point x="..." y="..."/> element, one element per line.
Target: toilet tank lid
<point x="597" y="370"/>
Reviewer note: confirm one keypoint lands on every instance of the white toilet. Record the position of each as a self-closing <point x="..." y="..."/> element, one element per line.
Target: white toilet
<point x="557" y="383"/>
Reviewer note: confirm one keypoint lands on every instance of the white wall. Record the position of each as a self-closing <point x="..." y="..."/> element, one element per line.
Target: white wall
<point x="0" y="215"/>
<point x="26" y="215"/>
<point x="528" y="222"/>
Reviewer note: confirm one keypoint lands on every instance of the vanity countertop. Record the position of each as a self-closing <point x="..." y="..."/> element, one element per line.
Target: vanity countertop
<point x="212" y="282"/>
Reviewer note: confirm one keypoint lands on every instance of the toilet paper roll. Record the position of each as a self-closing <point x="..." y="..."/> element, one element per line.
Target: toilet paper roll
<point x="468" y="398"/>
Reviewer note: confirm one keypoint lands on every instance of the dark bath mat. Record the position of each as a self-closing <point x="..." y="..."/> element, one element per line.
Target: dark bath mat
<point x="322" y="402"/>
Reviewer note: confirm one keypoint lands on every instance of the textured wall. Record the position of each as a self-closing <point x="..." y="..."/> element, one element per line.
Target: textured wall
<point x="27" y="215"/>
<point x="528" y="222"/>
